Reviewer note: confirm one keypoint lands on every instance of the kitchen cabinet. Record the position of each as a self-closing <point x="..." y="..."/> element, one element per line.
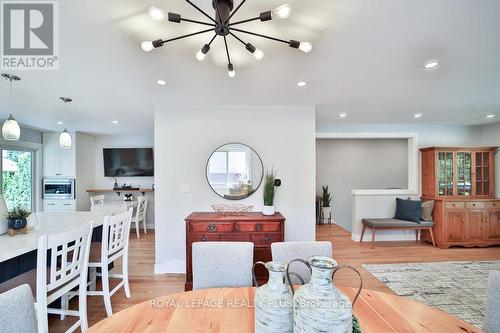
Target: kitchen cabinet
<point x="58" y="162"/>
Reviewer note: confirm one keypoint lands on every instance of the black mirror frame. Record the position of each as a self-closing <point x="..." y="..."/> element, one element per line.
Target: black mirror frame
<point x="234" y="143"/>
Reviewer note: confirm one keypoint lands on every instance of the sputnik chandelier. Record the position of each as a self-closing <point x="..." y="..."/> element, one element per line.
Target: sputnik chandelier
<point x="222" y="26"/>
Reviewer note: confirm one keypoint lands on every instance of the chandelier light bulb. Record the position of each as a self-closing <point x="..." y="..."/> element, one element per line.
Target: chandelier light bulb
<point x="200" y="56"/>
<point x="11" y="130"/>
<point x="65" y="139"/>
<point x="230" y="71"/>
<point x="258" y="54"/>
<point x="157" y="14"/>
<point x="305" y="47"/>
<point x="147" y="46"/>
<point x="281" y="12"/>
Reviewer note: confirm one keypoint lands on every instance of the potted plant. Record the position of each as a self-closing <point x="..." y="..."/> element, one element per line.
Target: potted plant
<point x="326" y="199"/>
<point x="16" y="218"/>
<point x="269" y="187"/>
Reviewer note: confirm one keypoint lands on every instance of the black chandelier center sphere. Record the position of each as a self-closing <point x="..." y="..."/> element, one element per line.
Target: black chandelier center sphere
<point x="222" y="25"/>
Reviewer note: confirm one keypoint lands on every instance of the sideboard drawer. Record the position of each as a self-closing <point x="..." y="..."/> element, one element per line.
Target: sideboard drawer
<point x="454" y="205"/>
<point x="493" y="205"/>
<point x="212" y="226"/>
<point x="265" y="239"/>
<point x="258" y="227"/>
<point x="236" y="237"/>
<point x="206" y="237"/>
<point x="474" y="205"/>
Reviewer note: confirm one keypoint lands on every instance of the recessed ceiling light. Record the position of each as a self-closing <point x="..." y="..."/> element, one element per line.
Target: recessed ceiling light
<point x="490" y="116"/>
<point x="417" y="115"/>
<point x="431" y="64"/>
<point x="115" y="122"/>
<point x="161" y="82"/>
<point x="60" y="123"/>
<point x="342" y="115"/>
<point x="301" y="83"/>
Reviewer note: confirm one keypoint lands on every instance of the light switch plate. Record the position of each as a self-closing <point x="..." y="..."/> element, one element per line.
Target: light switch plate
<point x="184" y="188"/>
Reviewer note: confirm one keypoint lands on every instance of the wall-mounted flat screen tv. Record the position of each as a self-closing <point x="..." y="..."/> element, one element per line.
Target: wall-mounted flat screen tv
<point x="128" y="162"/>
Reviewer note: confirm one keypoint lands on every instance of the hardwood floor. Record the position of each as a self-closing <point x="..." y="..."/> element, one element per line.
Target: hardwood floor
<point x="144" y="284"/>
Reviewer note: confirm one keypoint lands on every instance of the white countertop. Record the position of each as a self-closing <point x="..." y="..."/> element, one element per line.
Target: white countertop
<point x="48" y="223"/>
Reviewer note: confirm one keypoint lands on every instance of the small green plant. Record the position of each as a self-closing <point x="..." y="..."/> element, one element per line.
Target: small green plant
<point x="18" y="213"/>
<point x="269" y="188"/>
<point x="326" y="198"/>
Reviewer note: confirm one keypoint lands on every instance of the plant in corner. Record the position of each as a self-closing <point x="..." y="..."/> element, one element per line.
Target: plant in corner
<point x="269" y="187"/>
<point x="16" y="218"/>
<point x="326" y="199"/>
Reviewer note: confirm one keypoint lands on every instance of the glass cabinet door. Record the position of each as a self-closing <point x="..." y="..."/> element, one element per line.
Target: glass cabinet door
<point x="445" y="173"/>
<point x="464" y="173"/>
<point x="483" y="173"/>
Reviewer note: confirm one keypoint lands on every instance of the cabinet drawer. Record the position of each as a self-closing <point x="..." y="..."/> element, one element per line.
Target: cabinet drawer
<point x="474" y="205"/>
<point x="59" y="205"/>
<point x="235" y="237"/>
<point x="211" y="226"/>
<point x="258" y="227"/>
<point x="265" y="239"/>
<point x="193" y="238"/>
<point x="493" y="205"/>
<point x="454" y="205"/>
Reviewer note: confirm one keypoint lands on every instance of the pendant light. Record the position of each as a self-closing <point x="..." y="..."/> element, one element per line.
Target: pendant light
<point x="65" y="137"/>
<point x="10" y="128"/>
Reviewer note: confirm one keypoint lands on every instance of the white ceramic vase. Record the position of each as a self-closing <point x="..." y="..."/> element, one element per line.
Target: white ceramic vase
<point x="3" y="218"/>
<point x="268" y="210"/>
<point x="326" y="213"/>
<point x="274" y="301"/>
<point x="318" y="305"/>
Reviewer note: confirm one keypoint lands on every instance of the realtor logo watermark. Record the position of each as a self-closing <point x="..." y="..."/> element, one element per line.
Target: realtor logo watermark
<point x="30" y="35"/>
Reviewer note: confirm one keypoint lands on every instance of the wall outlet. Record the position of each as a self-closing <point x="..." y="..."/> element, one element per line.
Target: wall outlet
<point x="184" y="188"/>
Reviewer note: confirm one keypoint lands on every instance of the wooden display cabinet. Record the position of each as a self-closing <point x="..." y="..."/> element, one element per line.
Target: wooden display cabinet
<point x="462" y="182"/>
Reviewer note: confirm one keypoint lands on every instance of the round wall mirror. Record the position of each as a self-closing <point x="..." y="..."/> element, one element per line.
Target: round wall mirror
<point x="234" y="171"/>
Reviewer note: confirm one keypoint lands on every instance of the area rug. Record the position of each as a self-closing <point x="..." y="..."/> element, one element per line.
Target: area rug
<point x="457" y="288"/>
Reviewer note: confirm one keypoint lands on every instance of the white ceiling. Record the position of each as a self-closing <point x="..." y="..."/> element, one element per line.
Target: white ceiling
<point x="367" y="61"/>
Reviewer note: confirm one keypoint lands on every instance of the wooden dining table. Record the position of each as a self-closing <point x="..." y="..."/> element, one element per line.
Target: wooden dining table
<point x="231" y="310"/>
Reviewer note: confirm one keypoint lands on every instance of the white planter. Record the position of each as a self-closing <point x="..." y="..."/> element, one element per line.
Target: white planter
<point x="268" y="210"/>
<point x="3" y="219"/>
<point x="326" y="213"/>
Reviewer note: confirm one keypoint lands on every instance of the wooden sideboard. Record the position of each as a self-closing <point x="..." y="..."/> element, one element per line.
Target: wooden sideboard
<point x="252" y="227"/>
<point x="465" y="223"/>
<point x="461" y="180"/>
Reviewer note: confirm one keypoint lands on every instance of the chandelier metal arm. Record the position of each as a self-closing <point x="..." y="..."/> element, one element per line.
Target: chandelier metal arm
<point x="234" y="11"/>
<point x="244" y="21"/>
<point x="213" y="38"/>
<point x="198" y="22"/>
<point x="238" y="38"/>
<point x="263" y="36"/>
<point x="227" y="50"/>
<point x="188" y="35"/>
<point x="201" y="11"/>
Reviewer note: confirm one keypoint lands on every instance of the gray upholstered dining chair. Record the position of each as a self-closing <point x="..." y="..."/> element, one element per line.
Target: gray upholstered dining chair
<point x="222" y="264"/>
<point x="18" y="310"/>
<point x="287" y="251"/>
<point x="492" y="320"/>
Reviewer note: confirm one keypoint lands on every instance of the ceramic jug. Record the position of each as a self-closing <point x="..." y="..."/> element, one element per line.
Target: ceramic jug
<point x="319" y="306"/>
<point x="273" y="301"/>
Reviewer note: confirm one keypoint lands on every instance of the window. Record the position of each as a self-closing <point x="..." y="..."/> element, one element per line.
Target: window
<point x="17" y="178"/>
<point x="229" y="167"/>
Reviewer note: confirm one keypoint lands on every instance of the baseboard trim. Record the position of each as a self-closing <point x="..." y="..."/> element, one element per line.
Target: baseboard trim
<point x="384" y="237"/>
<point x="171" y="266"/>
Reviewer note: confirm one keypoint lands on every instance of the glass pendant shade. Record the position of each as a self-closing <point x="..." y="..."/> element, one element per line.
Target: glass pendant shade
<point x="65" y="139"/>
<point x="11" y="130"/>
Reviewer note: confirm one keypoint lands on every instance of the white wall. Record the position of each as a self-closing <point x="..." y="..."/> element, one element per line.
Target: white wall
<point x="347" y="164"/>
<point x="490" y="136"/>
<point x="124" y="141"/>
<point x="284" y="137"/>
<point x="85" y="164"/>
<point x="428" y="135"/>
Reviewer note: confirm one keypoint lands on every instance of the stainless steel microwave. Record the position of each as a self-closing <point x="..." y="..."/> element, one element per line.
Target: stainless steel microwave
<point x="59" y="189"/>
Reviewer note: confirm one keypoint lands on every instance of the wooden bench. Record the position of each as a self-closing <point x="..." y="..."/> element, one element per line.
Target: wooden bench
<point x="395" y="224"/>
